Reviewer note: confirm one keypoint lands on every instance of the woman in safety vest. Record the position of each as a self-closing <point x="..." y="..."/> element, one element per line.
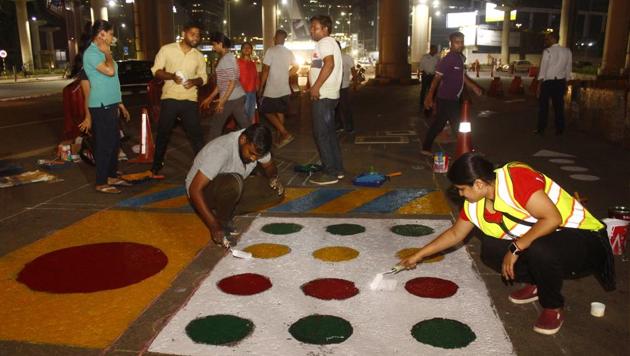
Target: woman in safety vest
<point x="533" y="232"/>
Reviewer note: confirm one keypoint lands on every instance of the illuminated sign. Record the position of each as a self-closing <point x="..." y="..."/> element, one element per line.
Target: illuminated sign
<point x="461" y="19"/>
<point x="494" y="15"/>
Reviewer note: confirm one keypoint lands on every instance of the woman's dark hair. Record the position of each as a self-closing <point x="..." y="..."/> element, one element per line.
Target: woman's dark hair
<point x="469" y="167"/>
<point x="260" y="136"/>
<point x="247" y="44"/>
<point x="219" y="37"/>
<point x="100" y="25"/>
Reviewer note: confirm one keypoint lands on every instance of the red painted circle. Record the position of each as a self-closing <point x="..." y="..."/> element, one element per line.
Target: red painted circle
<point x="330" y="288"/>
<point x="429" y="287"/>
<point x="244" y="284"/>
<point x="92" y="268"/>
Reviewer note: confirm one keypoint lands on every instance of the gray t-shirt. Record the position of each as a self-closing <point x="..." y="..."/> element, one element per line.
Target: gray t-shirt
<point x="222" y="155"/>
<point x="279" y="59"/>
<point x="227" y="69"/>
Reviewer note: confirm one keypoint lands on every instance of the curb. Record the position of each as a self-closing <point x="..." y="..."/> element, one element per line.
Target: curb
<point x="25" y="97"/>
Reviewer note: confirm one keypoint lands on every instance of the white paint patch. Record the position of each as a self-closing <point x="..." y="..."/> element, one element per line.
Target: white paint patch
<point x="574" y="168"/>
<point x="562" y="161"/>
<point x="548" y="153"/>
<point x="382" y="321"/>
<point x="514" y="101"/>
<point x="486" y="113"/>
<point x="584" y="177"/>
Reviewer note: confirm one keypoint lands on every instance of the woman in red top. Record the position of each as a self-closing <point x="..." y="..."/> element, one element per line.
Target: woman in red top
<point x="546" y="249"/>
<point x="249" y="78"/>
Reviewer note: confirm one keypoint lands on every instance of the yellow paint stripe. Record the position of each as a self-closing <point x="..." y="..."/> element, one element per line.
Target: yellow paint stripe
<point x="95" y="320"/>
<point x="432" y="203"/>
<point x="176" y="202"/>
<point x="350" y="201"/>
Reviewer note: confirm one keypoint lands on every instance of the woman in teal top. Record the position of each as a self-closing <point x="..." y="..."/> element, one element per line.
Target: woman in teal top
<point x="105" y="106"/>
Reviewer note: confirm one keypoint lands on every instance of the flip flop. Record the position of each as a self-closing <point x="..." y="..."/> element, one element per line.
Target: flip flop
<point x="108" y="189"/>
<point x="120" y="183"/>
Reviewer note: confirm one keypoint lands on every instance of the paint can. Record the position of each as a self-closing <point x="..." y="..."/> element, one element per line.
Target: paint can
<point x="619" y="212"/>
<point x="617" y="230"/>
<point x="598" y="309"/>
<point x="440" y="163"/>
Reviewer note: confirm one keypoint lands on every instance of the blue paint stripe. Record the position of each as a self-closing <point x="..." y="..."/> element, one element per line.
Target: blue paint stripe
<point x="152" y="198"/>
<point x="391" y="201"/>
<point x="310" y="201"/>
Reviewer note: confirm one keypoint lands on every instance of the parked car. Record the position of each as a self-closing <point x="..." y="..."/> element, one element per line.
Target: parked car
<point x="134" y="74"/>
<point x="521" y="66"/>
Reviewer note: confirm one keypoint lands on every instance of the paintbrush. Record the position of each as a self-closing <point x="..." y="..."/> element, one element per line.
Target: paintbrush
<point x="395" y="269"/>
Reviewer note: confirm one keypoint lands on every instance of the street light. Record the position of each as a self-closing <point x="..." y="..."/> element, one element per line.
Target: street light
<point x="111" y="3"/>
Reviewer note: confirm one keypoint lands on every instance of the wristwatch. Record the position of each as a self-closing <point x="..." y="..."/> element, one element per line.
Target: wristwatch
<point x="514" y="249"/>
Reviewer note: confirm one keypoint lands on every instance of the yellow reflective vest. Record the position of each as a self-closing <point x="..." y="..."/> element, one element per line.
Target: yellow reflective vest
<point x="516" y="220"/>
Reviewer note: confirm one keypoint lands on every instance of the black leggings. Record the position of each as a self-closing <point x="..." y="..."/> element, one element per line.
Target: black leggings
<point x="563" y="254"/>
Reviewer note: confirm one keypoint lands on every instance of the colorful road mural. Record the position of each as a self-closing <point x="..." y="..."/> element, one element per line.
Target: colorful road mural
<point x="306" y="292"/>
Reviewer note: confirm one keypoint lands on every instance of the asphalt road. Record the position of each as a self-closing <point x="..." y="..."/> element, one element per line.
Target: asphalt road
<point x="25" y="89"/>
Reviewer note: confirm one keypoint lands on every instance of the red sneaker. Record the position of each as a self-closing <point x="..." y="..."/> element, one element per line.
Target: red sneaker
<point x="527" y="294"/>
<point x="549" y="322"/>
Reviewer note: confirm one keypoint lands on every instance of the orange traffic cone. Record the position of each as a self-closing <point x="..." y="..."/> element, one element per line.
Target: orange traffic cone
<point x="464" y="144"/>
<point x="496" y="88"/>
<point x="517" y="86"/>
<point x="146" y="140"/>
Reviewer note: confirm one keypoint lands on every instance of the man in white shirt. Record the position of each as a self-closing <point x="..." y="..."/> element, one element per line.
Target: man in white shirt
<point x="278" y="64"/>
<point x="325" y="79"/>
<point x="428" y="62"/>
<point x="343" y="113"/>
<point x="555" y="70"/>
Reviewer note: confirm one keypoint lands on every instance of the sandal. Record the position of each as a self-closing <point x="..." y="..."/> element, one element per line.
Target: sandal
<point x="118" y="182"/>
<point x="107" y="189"/>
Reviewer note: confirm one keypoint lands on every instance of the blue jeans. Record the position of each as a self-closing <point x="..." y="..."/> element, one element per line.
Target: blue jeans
<point x="250" y="104"/>
<point x="323" y="113"/>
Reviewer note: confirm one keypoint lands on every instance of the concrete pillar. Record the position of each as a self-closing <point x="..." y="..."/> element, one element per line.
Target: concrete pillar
<point x="505" y="37"/>
<point x="35" y="39"/>
<point x="24" y="32"/>
<point x="586" y="30"/>
<point x="138" y="32"/>
<point x="392" y="51"/>
<point x="165" y="21"/>
<point x="98" y="10"/>
<point x="616" y="42"/>
<point x="268" y="22"/>
<point x="564" y="23"/>
<point x="50" y="40"/>
<point x="419" y="32"/>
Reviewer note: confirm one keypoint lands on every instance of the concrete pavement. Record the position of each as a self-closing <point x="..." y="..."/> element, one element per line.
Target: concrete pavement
<point x="501" y="129"/>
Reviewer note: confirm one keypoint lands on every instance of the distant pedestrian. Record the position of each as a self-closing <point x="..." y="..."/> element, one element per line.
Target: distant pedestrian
<point x="555" y="70"/>
<point x="343" y="112"/>
<point x="183" y="69"/>
<point x="228" y="89"/>
<point x="105" y="106"/>
<point x="325" y="78"/>
<point x="278" y="65"/>
<point x="249" y="79"/>
<point x="428" y="62"/>
<point x="449" y="81"/>
<point x="358" y="77"/>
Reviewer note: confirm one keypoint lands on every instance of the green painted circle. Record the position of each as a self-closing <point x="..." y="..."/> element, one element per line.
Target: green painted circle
<point x="219" y="329"/>
<point x="444" y="333"/>
<point x="321" y="329"/>
<point x="412" y="230"/>
<point x="281" y="228"/>
<point x="345" y="229"/>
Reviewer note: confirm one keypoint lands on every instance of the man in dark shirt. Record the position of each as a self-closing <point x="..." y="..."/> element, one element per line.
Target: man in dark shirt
<point x="450" y="77"/>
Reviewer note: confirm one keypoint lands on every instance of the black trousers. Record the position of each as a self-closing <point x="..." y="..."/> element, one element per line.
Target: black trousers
<point x="170" y="110"/>
<point x="554" y="90"/>
<point x="343" y="112"/>
<point x="106" y="141"/>
<point x="424" y="89"/>
<point x="228" y="194"/>
<point x="447" y="110"/>
<point x="563" y="254"/>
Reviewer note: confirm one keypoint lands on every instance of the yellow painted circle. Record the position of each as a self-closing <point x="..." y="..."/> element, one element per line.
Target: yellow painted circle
<point x="336" y="254"/>
<point x="265" y="250"/>
<point x="407" y="252"/>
